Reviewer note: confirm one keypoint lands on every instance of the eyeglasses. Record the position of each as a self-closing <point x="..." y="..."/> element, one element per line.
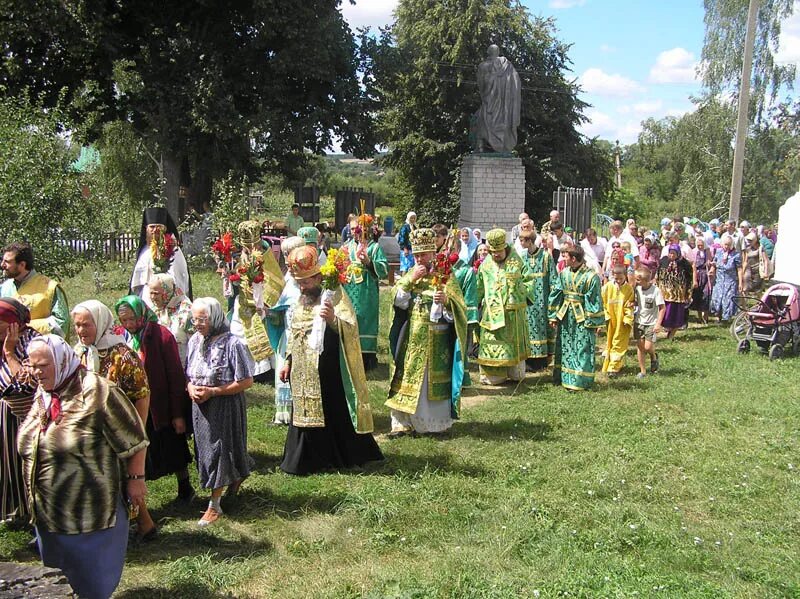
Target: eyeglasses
<point x="200" y="320"/>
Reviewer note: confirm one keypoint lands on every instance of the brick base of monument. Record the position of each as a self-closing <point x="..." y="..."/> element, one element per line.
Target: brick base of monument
<point x="492" y="191"/>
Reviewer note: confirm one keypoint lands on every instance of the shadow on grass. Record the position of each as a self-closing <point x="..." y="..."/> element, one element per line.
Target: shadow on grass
<point x="503" y="430"/>
<point x="187" y="591"/>
<point x="173" y="545"/>
<point x="406" y="463"/>
<point x="380" y="372"/>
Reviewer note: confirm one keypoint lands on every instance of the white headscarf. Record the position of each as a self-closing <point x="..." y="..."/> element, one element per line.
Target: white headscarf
<point x="64" y="360"/>
<point x="216" y="316"/>
<point x="408" y="218"/>
<point x="106" y="338"/>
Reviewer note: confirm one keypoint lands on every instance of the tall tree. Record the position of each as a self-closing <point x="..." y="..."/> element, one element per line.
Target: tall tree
<point x="725" y="28"/>
<point x="216" y="86"/>
<point x="420" y="76"/>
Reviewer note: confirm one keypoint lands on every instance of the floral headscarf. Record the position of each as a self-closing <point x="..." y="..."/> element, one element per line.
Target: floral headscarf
<point x="65" y="360"/>
<point x="106" y="337"/>
<point x="143" y="315"/>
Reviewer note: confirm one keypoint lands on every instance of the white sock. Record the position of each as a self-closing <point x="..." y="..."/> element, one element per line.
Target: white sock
<point x="214" y="503"/>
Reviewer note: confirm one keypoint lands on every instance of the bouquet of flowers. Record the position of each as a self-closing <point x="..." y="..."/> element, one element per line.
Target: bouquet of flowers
<point x="337" y="269"/>
<point x="442" y="268"/>
<point x="251" y="269"/>
<point x="224" y="248"/>
<point x="162" y="250"/>
<point x="363" y="230"/>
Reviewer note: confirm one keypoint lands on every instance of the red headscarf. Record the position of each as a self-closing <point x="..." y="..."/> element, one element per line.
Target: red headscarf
<point x="14" y="311"/>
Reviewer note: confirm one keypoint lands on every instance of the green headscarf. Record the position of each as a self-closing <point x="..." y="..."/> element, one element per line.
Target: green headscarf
<point x="143" y="314"/>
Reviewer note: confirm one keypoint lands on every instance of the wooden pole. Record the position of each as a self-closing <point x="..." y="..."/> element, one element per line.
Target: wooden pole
<point x="743" y="117"/>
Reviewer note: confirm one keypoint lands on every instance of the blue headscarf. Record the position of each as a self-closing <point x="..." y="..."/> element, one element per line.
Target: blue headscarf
<point x="467" y="249"/>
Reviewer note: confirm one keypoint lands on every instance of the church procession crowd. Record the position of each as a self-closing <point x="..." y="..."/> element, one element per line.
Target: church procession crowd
<point x="85" y="425"/>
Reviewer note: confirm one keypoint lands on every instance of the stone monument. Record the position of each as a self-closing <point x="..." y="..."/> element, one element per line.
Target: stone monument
<point x="492" y="180"/>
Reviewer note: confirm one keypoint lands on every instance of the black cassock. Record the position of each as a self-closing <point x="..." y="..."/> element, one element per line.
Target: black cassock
<point x="336" y="445"/>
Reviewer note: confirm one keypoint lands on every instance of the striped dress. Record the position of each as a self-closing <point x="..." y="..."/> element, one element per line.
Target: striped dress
<point x="16" y="396"/>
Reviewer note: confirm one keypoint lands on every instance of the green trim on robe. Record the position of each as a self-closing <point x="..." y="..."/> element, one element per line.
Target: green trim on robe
<point x="468" y="282"/>
<point x="363" y="291"/>
<point x="424" y="344"/>
<point x="541" y="336"/>
<point x="578" y="306"/>
<point x="504" y="291"/>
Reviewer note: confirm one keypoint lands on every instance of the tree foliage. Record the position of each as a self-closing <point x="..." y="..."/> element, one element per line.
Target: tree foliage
<point x="215" y="86"/>
<point x="420" y="78"/>
<point x="40" y="195"/>
<point x="723" y="48"/>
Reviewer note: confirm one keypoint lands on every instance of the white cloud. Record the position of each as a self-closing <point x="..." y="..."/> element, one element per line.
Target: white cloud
<point x="647" y="108"/>
<point x="789" y="42"/>
<point x="369" y="13"/>
<point x="566" y="3"/>
<point x="674" y="66"/>
<point x="607" y="49"/>
<point x="596" y="81"/>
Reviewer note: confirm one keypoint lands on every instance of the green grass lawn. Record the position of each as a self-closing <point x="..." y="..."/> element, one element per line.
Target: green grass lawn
<point x="684" y="484"/>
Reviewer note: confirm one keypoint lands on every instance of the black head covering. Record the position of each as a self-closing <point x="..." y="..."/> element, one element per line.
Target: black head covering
<point x="158" y="215"/>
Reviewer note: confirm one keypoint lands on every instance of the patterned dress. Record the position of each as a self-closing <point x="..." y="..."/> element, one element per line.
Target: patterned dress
<point x="121" y="365"/>
<point x="177" y="317"/>
<point x="578" y="307"/>
<point x="674" y="279"/>
<point x="726" y="286"/>
<point x="701" y="294"/>
<point x="541" y="335"/>
<point x="16" y="396"/>
<point x="220" y="424"/>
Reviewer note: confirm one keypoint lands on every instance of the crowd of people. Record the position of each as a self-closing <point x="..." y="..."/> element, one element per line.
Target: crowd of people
<point x="84" y="426"/>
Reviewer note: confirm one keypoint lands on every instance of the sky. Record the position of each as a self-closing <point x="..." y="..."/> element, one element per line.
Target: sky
<point x="633" y="59"/>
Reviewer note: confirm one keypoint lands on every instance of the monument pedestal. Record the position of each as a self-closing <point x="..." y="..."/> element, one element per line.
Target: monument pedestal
<point x="492" y="192"/>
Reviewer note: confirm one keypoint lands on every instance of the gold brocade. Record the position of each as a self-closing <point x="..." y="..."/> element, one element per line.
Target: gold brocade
<point x="427" y="345"/>
<point x="306" y="393"/>
<point x="256" y="338"/>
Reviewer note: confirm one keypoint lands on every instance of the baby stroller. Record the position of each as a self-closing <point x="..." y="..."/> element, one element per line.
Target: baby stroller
<point x="772" y="321"/>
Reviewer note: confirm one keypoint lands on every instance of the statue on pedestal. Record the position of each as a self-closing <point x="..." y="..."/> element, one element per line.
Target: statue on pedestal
<point x="495" y="124"/>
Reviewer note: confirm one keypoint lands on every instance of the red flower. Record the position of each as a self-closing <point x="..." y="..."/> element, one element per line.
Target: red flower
<point x="234" y="278"/>
<point x="453" y="258"/>
<point x="258" y="278"/>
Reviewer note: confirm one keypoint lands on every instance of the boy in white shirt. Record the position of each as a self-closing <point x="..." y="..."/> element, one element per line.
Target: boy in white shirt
<point x="649" y="313"/>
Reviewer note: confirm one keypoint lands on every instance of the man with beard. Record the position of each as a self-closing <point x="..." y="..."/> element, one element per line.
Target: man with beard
<point x="577" y="307"/>
<point x="426" y="341"/>
<point x="332" y="423"/>
<point x="505" y="285"/>
<point x="44" y="297"/>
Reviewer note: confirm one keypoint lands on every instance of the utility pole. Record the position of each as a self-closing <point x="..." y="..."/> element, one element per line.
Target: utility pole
<point x="744" y="109"/>
<point x="617" y="164"/>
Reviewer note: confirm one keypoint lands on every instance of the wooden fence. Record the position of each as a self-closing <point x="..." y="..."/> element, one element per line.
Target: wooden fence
<point x="114" y="246"/>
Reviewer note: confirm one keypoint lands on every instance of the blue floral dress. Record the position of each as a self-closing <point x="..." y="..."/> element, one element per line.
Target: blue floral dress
<point x="726" y="286"/>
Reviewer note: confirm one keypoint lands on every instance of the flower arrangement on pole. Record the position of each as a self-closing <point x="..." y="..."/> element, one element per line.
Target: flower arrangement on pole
<point x="162" y="249"/>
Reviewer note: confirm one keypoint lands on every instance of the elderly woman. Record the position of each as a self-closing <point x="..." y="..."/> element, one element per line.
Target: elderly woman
<point x="219" y="369"/>
<point x="727" y="274"/>
<point x="16" y="396"/>
<point x="73" y="444"/>
<point x="674" y="280"/>
<point x="169" y="401"/>
<point x="173" y="310"/>
<point x="104" y="352"/>
<point x="751" y="262"/>
<point x="701" y="281"/>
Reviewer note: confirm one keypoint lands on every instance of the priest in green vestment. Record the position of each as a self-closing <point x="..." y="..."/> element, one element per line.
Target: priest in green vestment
<point x="541" y="335"/>
<point x="425" y="342"/>
<point x="362" y="288"/>
<point x="505" y="286"/>
<point x="577" y="307"/>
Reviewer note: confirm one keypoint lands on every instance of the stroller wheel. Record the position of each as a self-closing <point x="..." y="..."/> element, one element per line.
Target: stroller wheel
<point x="744" y="346"/>
<point x="776" y="352"/>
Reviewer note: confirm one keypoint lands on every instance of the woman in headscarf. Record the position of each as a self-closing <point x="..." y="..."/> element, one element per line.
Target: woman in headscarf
<point x="169" y="402"/>
<point x="701" y="289"/>
<point x="468" y="245"/>
<point x="219" y="369"/>
<point x="74" y="442"/>
<point x="650" y="253"/>
<point x="404" y="241"/>
<point x="156" y="222"/>
<point x="173" y="309"/>
<point x="103" y="351"/>
<point x="751" y="262"/>
<point x="674" y="280"/>
<point x="16" y="396"/>
<point x="727" y="279"/>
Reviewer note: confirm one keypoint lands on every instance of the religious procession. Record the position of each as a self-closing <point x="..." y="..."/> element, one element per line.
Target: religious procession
<point x="570" y="371"/>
